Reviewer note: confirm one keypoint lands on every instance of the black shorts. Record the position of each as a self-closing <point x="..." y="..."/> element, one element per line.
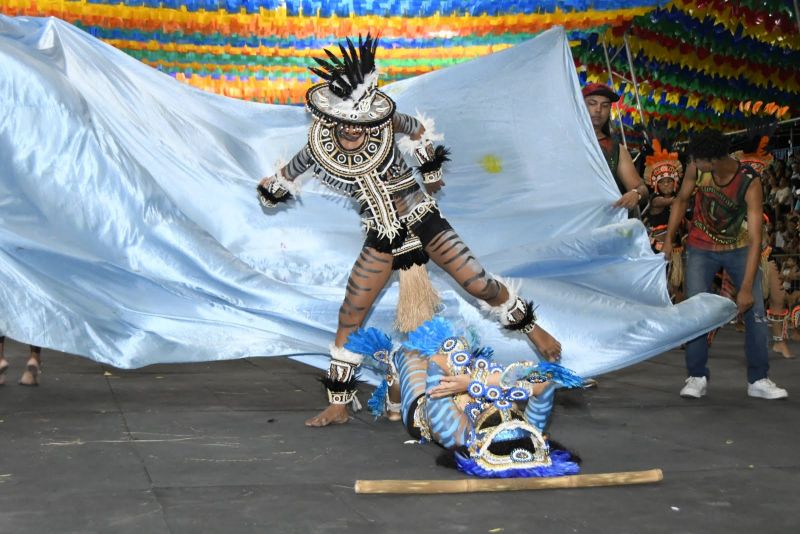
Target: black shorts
<point x="430" y="226"/>
<point x="426" y="229"/>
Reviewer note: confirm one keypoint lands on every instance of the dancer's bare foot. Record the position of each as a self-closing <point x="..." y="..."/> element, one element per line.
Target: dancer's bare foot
<point x="783" y="349"/>
<point x="334" y="414"/>
<point x="546" y="344"/>
<point x="31" y="375"/>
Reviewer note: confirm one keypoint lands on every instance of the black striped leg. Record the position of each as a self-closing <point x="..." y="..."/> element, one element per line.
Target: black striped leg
<point x="368" y="277"/>
<point x="450" y="253"/>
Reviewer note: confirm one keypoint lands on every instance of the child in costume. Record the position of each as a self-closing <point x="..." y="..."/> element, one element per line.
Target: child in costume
<point x="353" y="147"/>
<point x="663" y="173"/>
<point x="490" y="418"/>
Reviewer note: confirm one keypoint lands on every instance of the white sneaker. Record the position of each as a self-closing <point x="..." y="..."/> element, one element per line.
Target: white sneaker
<point x="695" y="387"/>
<point x="766" y="389"/>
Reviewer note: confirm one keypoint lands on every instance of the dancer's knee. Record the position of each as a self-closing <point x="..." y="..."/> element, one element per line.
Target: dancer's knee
<point x="486" y="288"/>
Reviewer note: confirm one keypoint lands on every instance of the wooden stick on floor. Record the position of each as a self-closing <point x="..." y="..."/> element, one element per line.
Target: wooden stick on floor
<point x="473" y="485"/>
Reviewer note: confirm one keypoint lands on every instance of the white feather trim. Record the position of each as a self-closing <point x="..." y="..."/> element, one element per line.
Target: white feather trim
<point x="512" y="286"/>
<point x="408" y="145"/>
<point x="370" y="81"/>
<point x="290" y="186"/>
<point x="344" y="355"/>
<point x="345" y="106"/>
<point x="429" y="124"/>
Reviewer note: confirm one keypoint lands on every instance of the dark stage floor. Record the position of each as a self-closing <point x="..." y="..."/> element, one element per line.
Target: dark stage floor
<point x="221" y="447"/>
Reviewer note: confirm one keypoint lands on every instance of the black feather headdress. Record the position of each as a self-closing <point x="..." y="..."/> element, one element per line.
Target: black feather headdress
<point x="346" y="74"/>
<point x="349" y="92"/>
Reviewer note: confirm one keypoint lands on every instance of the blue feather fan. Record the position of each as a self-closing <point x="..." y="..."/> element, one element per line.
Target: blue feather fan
<point x="377" y="402"/>
<point x="560" y="375"/>
<point x="370" y="342"/>
<point x="429" y="336"/>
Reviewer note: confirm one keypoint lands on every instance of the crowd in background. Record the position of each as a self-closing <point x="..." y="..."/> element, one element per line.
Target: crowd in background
<point x="781" y="183"/>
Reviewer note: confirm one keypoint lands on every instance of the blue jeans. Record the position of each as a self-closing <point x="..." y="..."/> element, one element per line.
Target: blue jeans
<point x="701" y="265"/>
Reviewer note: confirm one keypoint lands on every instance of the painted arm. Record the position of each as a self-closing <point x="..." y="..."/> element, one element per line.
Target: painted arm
<point x="450" y="427"/>
<point x="457" y="384"/>
<point x="406" y="124"/>
<point x="280" y="187"/>
<point x="421" y="135"/>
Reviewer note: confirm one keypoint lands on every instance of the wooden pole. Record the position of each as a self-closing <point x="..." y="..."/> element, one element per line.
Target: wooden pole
<point x="474" y="485"/>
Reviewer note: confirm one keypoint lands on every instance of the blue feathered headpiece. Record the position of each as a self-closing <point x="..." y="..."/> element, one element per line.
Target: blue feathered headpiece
<point x="370" y="342"/>
<point x="560" y="375"/>
<point x="428" y="338"/>
<point x="373" y="343"/>
<point x="540" y="372"/>
<point x="377" y="402"/>
<point x="561" y="464"/>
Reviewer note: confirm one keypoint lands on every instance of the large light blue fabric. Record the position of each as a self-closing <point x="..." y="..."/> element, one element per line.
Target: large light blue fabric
<point x="130" y="231"/>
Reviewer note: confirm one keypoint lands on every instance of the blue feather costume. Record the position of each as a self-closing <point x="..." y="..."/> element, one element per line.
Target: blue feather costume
<point x="490" y="436"/>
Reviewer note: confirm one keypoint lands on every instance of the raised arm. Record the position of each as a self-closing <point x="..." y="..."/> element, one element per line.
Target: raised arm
<point x="408" y="125"/>
<point x="280" y="187"/>
<point x="421" y="135"/>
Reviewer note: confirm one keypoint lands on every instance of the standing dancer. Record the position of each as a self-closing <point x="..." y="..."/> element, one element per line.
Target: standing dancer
<point x="352" y="149"/>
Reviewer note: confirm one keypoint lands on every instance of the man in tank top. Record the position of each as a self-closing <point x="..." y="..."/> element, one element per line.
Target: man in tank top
<point x="726" y="194"/>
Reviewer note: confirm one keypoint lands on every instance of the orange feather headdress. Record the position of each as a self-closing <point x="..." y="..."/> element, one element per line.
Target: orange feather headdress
<point x="662" y="164"/>
<point x="759" y="159"/>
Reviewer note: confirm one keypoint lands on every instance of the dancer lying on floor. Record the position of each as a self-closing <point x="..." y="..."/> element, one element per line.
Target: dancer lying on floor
<point x="452" y="393"/>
